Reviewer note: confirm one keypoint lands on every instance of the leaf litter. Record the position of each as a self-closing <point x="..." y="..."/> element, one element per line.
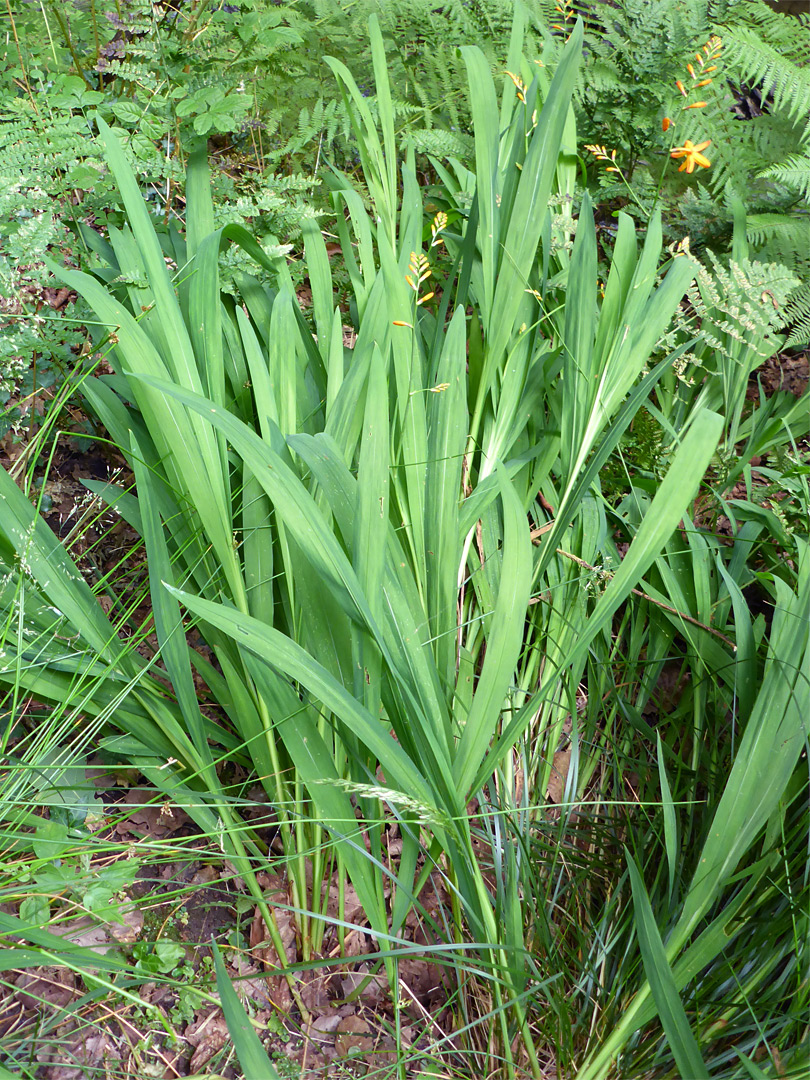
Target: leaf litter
<point x="349" y="1015"/>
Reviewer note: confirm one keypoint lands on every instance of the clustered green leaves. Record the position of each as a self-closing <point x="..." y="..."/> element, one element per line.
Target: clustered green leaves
<point x="407" y="574"/>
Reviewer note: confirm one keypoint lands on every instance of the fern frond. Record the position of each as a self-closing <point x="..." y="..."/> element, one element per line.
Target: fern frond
<point x="740" y="308"/>
<point x="786" y="34"/>
<point x="441" y="144"/>
<point x="794" y="173"/>
<point x="759" y="63"/>
<point x="797" y="317"/>
<point x="792" y="231"/>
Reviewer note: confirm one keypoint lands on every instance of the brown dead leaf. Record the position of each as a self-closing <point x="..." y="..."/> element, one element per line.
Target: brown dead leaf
<point x="353" y="1036"/>
<point x="56" y="298"/>
<point x="314" y="989"/>
<point x="424" y="981"/>
<point x="355" y="943"/>
<point x="559" y="774"/>
<point x="205" y="875"/>
<point x="85" y="932"/>
<point x="310" y="1058"/>
<point x="214" y="1038"/>
<point x="373" y="988"/>
<point x="147" y="818"/>
<point x="82" y="1055"/>
<point x="257" y="991"/>
<point x="325" y="1024"/>
<point x="785" y="372"/>
<point x="43" y="986"/>
<point x="211" y="1019"/>
<point x="264" y="951"/>
<point x="128" y="932"/>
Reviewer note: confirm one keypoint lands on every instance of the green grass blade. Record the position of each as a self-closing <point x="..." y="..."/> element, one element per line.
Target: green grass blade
<point x="673" y="496"/>
<point x="679" y="1035"/>
<point x="54" y="571"/>
<point x="371" y="529"/>
<point x="256" y="1065"/>
<point x="670" y="819"/>
<point x="78" y="956"/>
<point x="372" y="155"/>
<point x="774" y="738"/>
<point x="173" y="336"/>
<point x="531" y="200"/>
<point x="291" y="499"/>
<point x="622" y="267"/>
<point x="320" y="280"/>
<point x="385" y="111"/>
<point x="752" y="1070"/>
<point x="579" y="384"/>
<point x="191" y="459"/>
<point x="205" y="323"/>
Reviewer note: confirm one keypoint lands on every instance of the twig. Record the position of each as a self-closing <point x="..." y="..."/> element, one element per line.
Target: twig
<point x="637" y="592"/>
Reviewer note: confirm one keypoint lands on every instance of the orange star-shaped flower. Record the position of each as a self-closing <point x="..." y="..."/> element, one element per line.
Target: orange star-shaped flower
<point x="692" y="155"/>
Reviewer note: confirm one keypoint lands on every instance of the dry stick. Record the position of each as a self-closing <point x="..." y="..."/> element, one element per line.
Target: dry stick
<point x="20" y="57"/>
<point x="536" y="533"/>
<point x="63" y="26"/>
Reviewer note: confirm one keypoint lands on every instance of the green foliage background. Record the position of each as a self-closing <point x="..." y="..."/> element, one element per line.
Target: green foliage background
<point x="487" y="531"/>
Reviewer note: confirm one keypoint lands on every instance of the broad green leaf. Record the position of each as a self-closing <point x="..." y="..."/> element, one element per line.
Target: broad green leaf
<point x="168" y="621"/>
<point x="199" y="204"/>
<point x="290" y="499"/>
<point x="504" y="642"/>
<point x="446" y="420"/>
<point x="282" y="653"/>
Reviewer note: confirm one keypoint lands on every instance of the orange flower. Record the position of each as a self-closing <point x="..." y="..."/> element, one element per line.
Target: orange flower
<point x="692" y="155"/>
<point x="666" y="123"/>
<point x="680" y="86"/>
<point x="696" y="105"/>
